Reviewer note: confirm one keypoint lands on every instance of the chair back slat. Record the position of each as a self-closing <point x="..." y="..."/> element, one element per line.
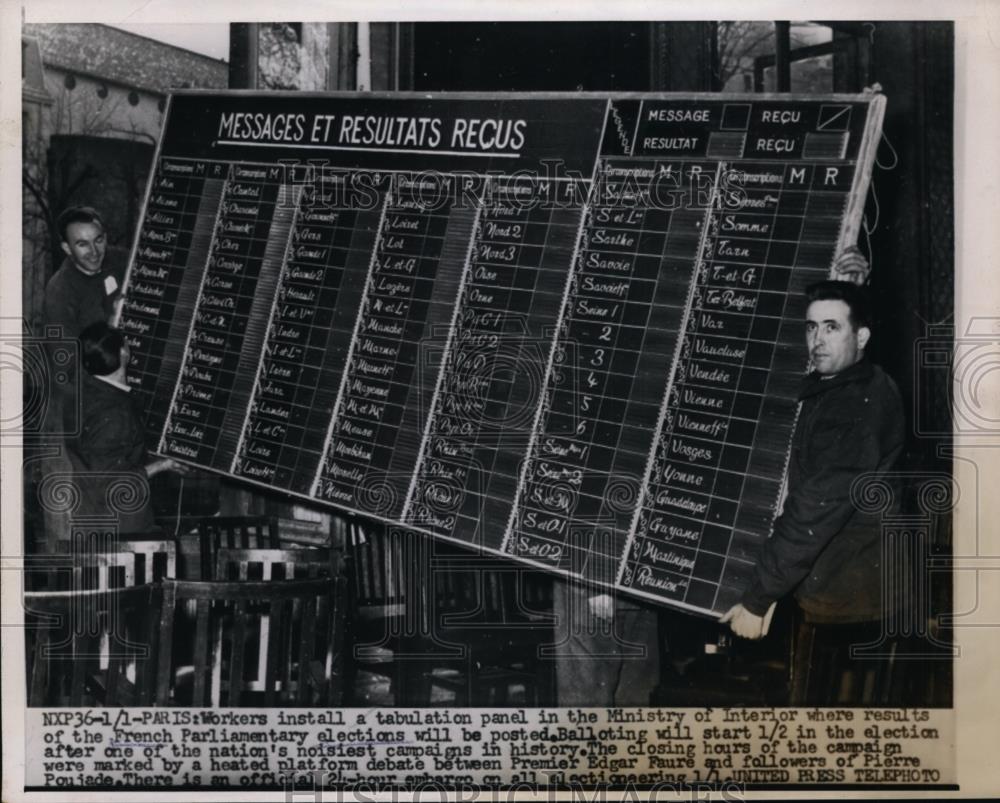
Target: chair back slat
<point x="307" y="644"/>
<point x="93" y="647"/>
<point x="275" y="620"/>
<point x="274" y="564"/>
<point x="380" y="571"/>
<point x="204" y="657"/>
<point x="237" y="648"/>
<point x="161" y="678"/>
<point x="84" y="647"/>
<point x="127" y="562"/>
<point x="285" y="640"/>
<point x="280" y="620"/>
<point x="38" y="675"/>
<point x="235" y="532"/>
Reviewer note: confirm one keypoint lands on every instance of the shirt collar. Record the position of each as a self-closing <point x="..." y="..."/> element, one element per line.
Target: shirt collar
<point x="71" y="265"/>
<point x="813" y="384"/>
<point x="109" y="381"/>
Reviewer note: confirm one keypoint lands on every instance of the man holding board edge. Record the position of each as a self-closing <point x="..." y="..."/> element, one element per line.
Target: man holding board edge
<point x="851" y="423"/>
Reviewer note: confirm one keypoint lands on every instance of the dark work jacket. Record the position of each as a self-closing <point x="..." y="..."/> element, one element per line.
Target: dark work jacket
<point x="110" y="455"/>
<point x="823" y="545"/>
<point x="74" y="300"/>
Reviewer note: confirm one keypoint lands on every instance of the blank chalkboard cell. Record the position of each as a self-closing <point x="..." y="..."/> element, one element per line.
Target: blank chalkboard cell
<point x="701" y="594"/>
<point x="708" y="566"/>
<point x="816" y="258"/>
<point x="741" y="430"/>
<point x="765" y="329"/>
<point x="770" y="304"/>
<point x="684" y="241"/>
<point x="753" y="523"/>
<point x="735" y="116"/>
<point x="325" y="298"/>
<point x="732" y="457"/>
<point x="768" y="452"/>
<point x="789" y="228"/>
<point x="520" y="277"/>
<point x="822" y="216"/>
<point x="772" y="278"/>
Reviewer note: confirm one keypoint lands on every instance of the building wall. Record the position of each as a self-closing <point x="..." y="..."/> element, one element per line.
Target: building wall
<point x="122" y="112"/>
<point x="34" y="252"/>
<point x="55" y="180"/>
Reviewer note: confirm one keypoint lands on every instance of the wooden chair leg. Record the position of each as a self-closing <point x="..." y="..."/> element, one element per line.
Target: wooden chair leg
<point x="801" y="668"/>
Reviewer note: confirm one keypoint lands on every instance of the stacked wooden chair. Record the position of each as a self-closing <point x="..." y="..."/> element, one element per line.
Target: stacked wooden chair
<point x="264" y="624"/>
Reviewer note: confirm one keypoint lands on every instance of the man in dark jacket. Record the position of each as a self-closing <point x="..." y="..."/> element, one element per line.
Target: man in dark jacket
<point x="110" y="449"/>
<point x="81" y="292"/>
<point x="850" y="423"/>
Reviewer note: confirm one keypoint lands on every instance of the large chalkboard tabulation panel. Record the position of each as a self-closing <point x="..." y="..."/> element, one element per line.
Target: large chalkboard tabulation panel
<point x="562" y="329"/>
